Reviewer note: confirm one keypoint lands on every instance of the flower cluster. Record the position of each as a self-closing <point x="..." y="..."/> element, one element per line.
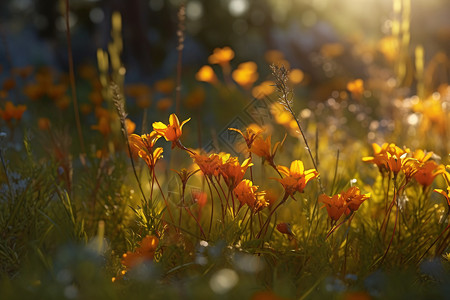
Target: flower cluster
<point x="344" y="203"/>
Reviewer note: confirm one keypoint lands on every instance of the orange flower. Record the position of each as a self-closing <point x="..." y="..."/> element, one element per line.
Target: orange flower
<point x="143" y="145"/>
<point x="252" y="131"/>
<point x="103" y="126"/>
<point x="171" y="132"/>
<point x="335" y="205"/>
<point x="262" y="148"/>
<point x="390" y="157"/>
<point x="145" y="252"/>
<point x="232" y="171"/>
<point x="130" y="125"/>
<point x="165" y="86"/>
<point x="209" y="165"/>
<point x="164" y="104"/>
<point x="296" y="177"/>
<point x="206" y="74"/>
<point x="12" y="112"/>
<point x="246" y="193"/>
<point x="427" y="172"/>
<point x="353" y="199"/>
<point x="345" y="202"/>
<point x="245" y="75"/>
<point x="263" y="90"/>
<point x="34" y="91"/>
<point x="137" y="90"/>
<point x="221" y="56"/>
<point x="356" y="88"/>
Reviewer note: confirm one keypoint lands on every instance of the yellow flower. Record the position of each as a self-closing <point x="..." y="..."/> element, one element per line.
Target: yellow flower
<point x="206" y="74"/>
<point x="209" y="165"/>
<point x="296" y="177"/>
<point x="165" y="86"/>
<point x="143" y="145"/>
<point x="356" y="88"/>
<point x="221" y="56"/>
<point x="263" y="90"/>
<point x="137" y="90"/>
<point x="246" y="193"/>
<point x="232" y="171"/>
<point x="252" y="131"/>
<point x="171" y="132"/>
<point x="262" y="148"/>
<point x="245" y="75"/>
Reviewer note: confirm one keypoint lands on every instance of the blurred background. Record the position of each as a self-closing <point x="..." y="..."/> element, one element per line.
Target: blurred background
<point x="33" y="31"/>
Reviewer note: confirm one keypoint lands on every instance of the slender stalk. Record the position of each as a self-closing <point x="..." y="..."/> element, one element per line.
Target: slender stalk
<point x="72" y="80"/>
<point x="180" y="34"/>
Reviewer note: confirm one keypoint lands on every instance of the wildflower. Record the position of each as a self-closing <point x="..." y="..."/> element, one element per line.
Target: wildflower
<point x="335" y="205"/>
<point x="232" y="171"/>
<point x="144" y="142"/>
<point x="245" y="75"/>
<point x="206" y="74"/>
<point x="345" y="202"/>
<point x="137" y="90"/>
<point x="130" y="126"/>
<point x="34" y="91"/>
<point x="171" y="132"/>
<point x="165" y="86"/>
<point x="427" y="172"/>
<point x="392" y="158"/>
<point x="356" y="88"/>
<point x="296" y="177"/>
<point x="145" y="252"/>
<point x="421" y="155"/>
<point x="353" y="199"/>
<point x="247" y="193"/>
<point x="262" y="148"/>
<point x="221" y="56"/>
<point x="57" y="91"/>
<point x="251" y="132"/>
<point x="103" y="126"/>
<point x="209" y="165"/>
<point x="143" y="101"/>
<point x="12" y="112"/>
<point x="164" y="104"/>
<point x="263" y="90"/>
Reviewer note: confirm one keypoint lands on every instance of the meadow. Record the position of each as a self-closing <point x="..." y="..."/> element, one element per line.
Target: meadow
<point x="234" y="178"/>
